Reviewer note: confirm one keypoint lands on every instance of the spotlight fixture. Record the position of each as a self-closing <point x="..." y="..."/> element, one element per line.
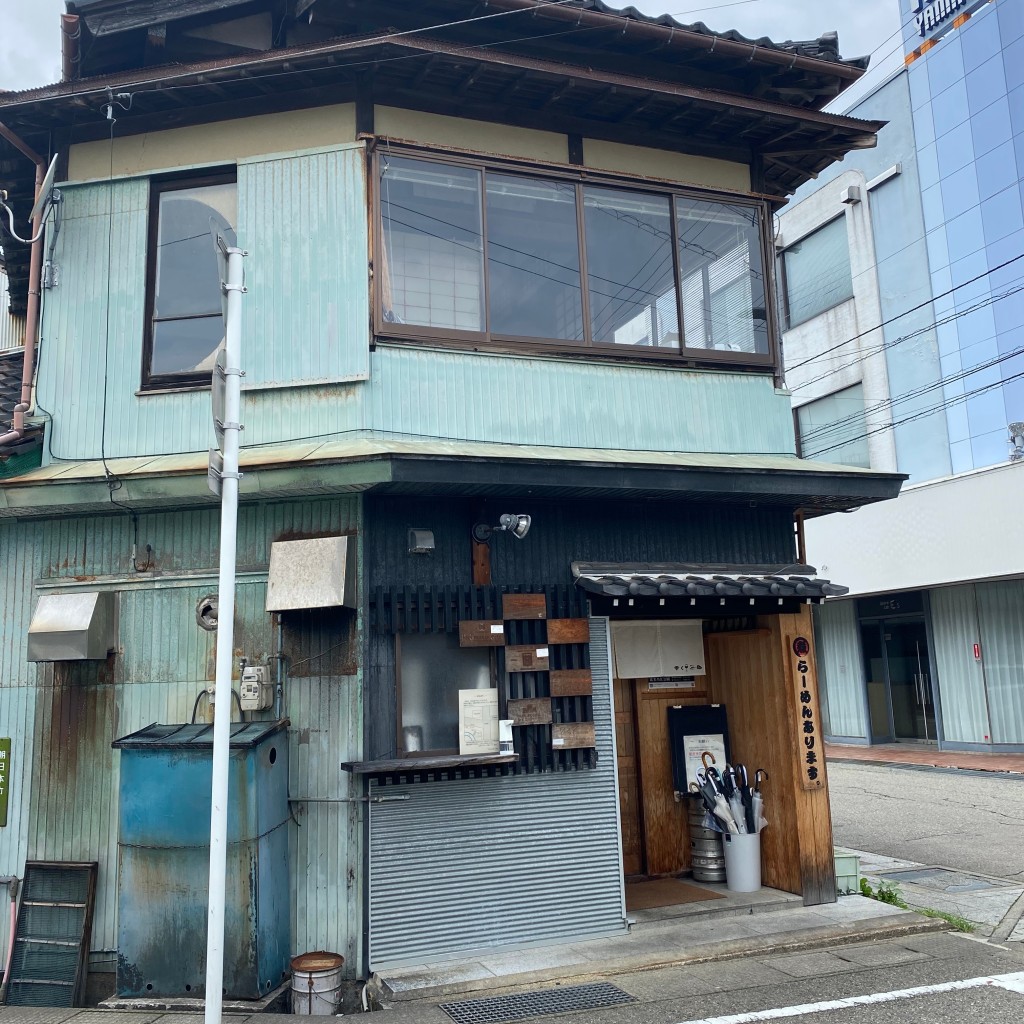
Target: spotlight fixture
<point x="518" y="526"/>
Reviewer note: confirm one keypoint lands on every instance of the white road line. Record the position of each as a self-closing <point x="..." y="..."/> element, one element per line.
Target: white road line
<point x="1011" y="982"/>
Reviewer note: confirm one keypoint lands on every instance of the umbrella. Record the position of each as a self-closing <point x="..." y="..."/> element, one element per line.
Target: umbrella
<point x="746" y="797"/>
<point x="732" y="794"/>
<point x="714" y="800"/>
<point x="758" y="800"/>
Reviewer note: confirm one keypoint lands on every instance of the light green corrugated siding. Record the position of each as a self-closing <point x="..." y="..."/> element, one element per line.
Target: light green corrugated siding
<point x="306" y="316"/>
<point x="575" y="403"/>
<point x="303" y="221"/>
<point x="63" y="718"/>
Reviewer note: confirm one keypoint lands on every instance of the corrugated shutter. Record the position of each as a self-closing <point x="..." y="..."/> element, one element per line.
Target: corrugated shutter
<point x="483" y="864"/>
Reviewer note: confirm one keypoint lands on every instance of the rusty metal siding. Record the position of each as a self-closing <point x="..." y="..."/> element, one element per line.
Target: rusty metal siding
<point x="303" y="220"/>
<point x="576" y="403"/>
<point x="63" y="718"/>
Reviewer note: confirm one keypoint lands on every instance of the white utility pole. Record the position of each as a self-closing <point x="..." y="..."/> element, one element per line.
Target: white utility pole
<point x="227" y="376"/>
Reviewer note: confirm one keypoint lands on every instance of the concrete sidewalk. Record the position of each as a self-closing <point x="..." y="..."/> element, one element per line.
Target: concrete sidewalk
<point x="765" y="922"/>
<point x="995" y="906"/>
<point x="926" y="756"/>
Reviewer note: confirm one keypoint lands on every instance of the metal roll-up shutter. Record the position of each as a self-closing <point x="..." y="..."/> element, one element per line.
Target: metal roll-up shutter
<point x="483" y="864"/>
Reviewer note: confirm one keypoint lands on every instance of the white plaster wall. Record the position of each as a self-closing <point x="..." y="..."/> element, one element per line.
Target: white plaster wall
<point x="862" y="361"/>
<point x="954" y="530"/>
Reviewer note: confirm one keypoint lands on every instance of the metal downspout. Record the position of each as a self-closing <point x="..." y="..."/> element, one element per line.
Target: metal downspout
<point x="32" y="310"/>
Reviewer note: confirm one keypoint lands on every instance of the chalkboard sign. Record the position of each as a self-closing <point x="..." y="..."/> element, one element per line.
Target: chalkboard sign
<point x="695" y="720"/>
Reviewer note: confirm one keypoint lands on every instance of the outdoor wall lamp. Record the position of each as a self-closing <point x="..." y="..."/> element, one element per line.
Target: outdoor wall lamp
<point x="518" y="526"/>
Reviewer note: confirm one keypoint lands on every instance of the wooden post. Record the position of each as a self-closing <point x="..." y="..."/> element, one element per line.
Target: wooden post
<point x="755" y="675"/>
<point x="481" y="563"/>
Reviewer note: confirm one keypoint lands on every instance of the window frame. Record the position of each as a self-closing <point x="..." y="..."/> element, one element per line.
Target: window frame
<point x="801" y="448"/>
<point x="780" y="260"/>
<point x="158" y="185"/>
<point x="487" y="341"/>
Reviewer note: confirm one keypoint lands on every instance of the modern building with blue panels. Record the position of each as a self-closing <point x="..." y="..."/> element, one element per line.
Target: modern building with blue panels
<point x="902" y="290"/>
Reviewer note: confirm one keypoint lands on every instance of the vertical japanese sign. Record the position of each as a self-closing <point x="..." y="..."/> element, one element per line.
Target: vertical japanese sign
<point x="5" y="776"/>
<point x="810" y="751"/>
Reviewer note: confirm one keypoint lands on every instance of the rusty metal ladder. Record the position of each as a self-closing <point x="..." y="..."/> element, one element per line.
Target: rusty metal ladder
<point x="51" y="940"/>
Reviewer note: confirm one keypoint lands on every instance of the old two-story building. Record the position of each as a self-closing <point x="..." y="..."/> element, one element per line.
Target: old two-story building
<point x="510" y="348"/>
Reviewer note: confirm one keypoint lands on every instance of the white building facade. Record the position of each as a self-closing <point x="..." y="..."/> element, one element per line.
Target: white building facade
<point x="902" y="280"/>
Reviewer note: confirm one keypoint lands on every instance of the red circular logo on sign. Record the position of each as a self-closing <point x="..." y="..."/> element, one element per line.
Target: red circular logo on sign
<point x="801" y="647"/>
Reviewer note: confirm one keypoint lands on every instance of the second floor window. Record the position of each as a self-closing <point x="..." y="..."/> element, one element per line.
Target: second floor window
<point x="471" y="253"/>
<point x="816" y="273"/>
<point x="185" y="323"/>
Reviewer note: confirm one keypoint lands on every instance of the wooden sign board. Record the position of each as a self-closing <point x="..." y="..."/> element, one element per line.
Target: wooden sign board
<point x="568" y="631"/>
<point x="530" y="711"/>
<point x="524" y="606"/>
<point x="526" y="659"/>
<point x="481" y="633"/>
<point x="573" y="735"/>
<point x="810" y="748"/>
<point x="571" y="682"/>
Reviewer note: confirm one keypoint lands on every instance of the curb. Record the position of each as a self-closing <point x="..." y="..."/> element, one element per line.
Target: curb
<point x="809" y="938"/>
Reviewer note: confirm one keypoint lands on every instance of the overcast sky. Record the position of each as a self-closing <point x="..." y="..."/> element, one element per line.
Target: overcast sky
<point x="30" y="29"/>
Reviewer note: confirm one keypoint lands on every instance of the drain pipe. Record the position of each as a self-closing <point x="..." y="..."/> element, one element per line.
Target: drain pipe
<point x="32" y="312"/>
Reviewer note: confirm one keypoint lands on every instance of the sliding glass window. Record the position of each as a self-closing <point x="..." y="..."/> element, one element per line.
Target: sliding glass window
<point x="471" y="255"/>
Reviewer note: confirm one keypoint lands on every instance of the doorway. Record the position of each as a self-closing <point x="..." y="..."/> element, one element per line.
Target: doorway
<point x="897" y="668"/>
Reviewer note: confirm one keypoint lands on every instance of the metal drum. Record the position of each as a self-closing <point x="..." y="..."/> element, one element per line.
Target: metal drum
<point x="707" y="858"/>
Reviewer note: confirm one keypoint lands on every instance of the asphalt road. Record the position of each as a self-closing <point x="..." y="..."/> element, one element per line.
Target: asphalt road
<point x="745" y="989"/>
<point x="968" y="821"/>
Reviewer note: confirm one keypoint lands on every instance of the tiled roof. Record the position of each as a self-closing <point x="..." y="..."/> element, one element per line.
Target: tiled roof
<point x="825" y="47"/>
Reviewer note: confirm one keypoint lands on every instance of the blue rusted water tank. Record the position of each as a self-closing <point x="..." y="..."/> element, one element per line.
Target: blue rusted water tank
<point x="164" y="860"/>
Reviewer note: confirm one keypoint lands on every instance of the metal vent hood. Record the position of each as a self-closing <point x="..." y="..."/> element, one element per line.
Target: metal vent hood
<point x="317" y="573"/>
<point x="73" y="627"/>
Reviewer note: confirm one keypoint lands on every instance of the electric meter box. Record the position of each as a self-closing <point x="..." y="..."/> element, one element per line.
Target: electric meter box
<point x="257" y="692"/>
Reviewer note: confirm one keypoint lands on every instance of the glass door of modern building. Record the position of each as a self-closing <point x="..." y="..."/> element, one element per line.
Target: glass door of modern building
<point x="899" y="680"/>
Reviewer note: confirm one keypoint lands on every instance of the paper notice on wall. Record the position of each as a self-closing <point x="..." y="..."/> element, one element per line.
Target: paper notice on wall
<point x="478" y="721"/>
<point x="695" y="747"/>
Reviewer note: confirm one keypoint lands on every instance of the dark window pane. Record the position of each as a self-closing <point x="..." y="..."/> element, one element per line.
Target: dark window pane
<point x="432" y="273"/>
<point x="186" y="346"/>
<point x="433" y="670"/>
<point x="187" y="271"/>
<point x="724" y="305"/>
<point x="630" y="273"/>
<point x="818" y="274"/>
<point x="533" y="259"/>
<point x="187" y="326"/>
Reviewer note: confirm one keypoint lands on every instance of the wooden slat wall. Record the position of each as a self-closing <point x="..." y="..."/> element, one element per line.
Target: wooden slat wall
<point x="666" y="830"/>
<point x="751" y="673"/>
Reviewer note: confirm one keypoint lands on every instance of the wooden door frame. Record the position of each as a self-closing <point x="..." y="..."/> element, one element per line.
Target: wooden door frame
<point x="630" y="685"/>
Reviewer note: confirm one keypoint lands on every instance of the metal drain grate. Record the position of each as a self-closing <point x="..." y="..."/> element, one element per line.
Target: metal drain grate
<point x="498" y="1009"/>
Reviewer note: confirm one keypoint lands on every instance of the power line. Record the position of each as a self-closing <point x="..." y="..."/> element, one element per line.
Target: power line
<point x="839" y="425"/>
<point x="906" y="312"/>
<point x="878" y="349"/>
<point x="931" y="411"/>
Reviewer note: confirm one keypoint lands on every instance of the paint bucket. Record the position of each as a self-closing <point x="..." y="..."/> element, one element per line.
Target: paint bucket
<point x="742" y="862"/>
<point x="316" y="984"/>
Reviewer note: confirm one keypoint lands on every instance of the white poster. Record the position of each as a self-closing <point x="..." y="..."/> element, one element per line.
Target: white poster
<point x="478" y="721"/>
<point x="694" y="747"/>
